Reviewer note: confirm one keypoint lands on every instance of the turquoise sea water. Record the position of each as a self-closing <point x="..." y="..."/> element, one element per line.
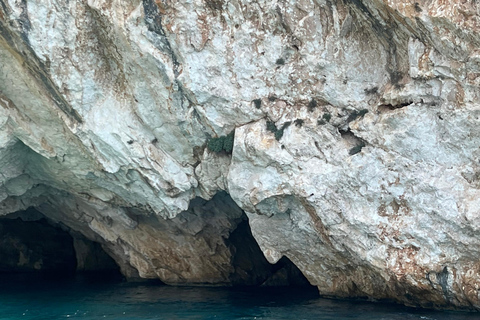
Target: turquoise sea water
<point x="94" y="298"/>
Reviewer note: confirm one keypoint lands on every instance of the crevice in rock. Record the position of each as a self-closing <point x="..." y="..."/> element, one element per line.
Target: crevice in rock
<point x="356" y="114"/>
<point x="354" y="143"/>
<point x="253" y="269"/>
<point x="153" y="20"/>
<point x="278" y="132"/>
<point x="31" y="243"/>
<point x="393" y="106"/>
<point x="443" y="281"/>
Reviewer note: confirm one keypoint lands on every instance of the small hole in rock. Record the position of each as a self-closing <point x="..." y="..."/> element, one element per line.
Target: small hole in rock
<point x="257" y="103"/>
<point x="312" y="105"/>
<point x="373" y="90"/>
<point x="299" y="123"/>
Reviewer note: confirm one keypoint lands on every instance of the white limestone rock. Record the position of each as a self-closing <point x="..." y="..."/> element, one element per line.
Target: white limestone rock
<point x="369" y="184"/>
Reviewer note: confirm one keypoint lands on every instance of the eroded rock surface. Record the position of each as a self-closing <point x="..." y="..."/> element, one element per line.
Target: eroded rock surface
<point x="356" y="151"/>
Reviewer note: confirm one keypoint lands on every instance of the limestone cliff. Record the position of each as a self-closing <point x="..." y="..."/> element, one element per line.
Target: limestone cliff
<point x="356" y="136"/>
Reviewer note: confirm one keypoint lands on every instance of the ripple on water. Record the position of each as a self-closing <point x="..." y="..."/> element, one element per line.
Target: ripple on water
<point x="27" y="297"/>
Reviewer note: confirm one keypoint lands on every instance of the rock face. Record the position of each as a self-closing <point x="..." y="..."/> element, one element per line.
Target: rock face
<point x="356" y="137"/>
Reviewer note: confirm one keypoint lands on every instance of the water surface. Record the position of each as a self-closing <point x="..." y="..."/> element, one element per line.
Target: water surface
<point x="27" y="298"/>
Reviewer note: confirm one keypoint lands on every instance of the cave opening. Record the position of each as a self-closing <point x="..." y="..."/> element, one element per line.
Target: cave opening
<point x="32" y="244"/>
<point x="253" y="269"/>
<point x="221" y="248"/>
<point x="213" y="238"/>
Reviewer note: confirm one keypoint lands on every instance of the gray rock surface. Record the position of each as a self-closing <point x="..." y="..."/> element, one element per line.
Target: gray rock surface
<point x="356" y="150"/>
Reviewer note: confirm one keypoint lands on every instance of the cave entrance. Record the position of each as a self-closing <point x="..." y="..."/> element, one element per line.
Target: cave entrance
<point x="253" y="269"/>
<point x="222" y="248"/>
<point x="30" y="243"/>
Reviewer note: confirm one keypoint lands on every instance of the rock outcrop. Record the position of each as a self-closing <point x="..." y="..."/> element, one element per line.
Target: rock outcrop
<point x="356" y="137"/>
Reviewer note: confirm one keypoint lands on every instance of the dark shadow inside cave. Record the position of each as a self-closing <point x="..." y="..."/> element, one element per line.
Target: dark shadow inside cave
<point x="253" y="269"/>
<point x="221" y="217"/>
<point x="30" y="243"/>
<point x="214" y="238"/>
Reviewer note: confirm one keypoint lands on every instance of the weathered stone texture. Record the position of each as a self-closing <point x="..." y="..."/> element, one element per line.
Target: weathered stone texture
<point x="367" y="180"/>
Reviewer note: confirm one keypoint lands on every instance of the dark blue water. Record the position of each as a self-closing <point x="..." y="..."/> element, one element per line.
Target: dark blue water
<point x="85" y="298"/>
